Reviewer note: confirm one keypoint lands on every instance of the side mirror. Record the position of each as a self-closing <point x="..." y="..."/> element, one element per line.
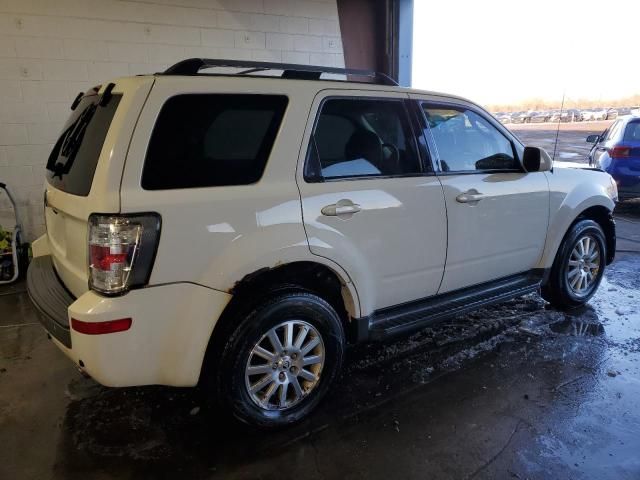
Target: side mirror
<point x="536" y="159"/>
<point x="593" y="138"/>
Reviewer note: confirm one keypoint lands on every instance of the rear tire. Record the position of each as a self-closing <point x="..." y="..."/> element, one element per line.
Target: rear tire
<point x="293" y="379"/>
<point x="578" y="267"/>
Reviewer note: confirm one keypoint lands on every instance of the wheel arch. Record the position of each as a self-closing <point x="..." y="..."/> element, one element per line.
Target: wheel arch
<point x="310" y="276"/>
<point x="603" y="217"/>
<point x="600" y="214"/>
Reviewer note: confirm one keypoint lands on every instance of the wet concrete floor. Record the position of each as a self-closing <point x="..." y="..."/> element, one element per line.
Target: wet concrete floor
<point x="518" y="390"/>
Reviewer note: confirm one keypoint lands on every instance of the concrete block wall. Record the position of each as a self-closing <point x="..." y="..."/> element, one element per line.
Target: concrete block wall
<point x="52" y="49"/>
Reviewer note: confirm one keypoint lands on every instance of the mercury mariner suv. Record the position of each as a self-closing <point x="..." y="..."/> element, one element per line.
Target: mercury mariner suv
<point x="236" y="228"/>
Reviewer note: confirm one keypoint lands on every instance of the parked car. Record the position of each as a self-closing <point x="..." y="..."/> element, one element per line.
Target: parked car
<point x="594" y="114"/>
<point x="570" y="115"/>
<point x="238" y="231"/>
<point x="503" y="117"/>
<point x="586" y="115"/>
<point x="635" y="111"/>
<point x="555" y="115"/>
<point x="523" y="117"/>
<point x="599" y="114"/>
<point x="612" y="114"/>
<point x="540" y="117"/>
<point x="617" y="152"/>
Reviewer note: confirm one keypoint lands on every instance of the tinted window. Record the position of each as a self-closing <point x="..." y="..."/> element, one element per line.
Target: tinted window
<point x="632" y="132"/>
<point x="74" y="158"/>
<point x="212" y="140"/>
<point x="612" y="131"/>
<point x="467" y="142"/>
<point x="362" y="138"/>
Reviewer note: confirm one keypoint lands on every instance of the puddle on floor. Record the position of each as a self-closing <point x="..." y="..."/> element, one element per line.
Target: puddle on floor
<point x="577" y="328"/>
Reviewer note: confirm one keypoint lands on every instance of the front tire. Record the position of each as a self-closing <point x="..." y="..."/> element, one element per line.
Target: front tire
<point x="578" y="267"/>
<point x="281" y="360"/>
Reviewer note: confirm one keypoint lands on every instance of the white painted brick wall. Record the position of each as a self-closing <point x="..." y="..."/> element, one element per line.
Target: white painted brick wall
<point x="52" y="49"/>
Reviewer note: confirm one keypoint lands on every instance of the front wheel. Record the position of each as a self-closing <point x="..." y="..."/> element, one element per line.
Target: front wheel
<point x="281" y="360"/>
<point x="578" y="267"/>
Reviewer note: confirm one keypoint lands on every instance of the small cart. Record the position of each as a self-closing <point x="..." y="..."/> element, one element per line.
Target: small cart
<point x="13" y="252"/>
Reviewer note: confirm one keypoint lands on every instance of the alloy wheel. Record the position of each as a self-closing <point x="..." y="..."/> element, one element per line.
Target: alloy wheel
<point x="584" y="265"/>
<point x="285" y="365"/>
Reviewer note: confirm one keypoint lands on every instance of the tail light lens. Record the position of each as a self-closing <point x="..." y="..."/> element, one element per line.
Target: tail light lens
<point x="122" y="249"/>
<point x="620" y="152"/>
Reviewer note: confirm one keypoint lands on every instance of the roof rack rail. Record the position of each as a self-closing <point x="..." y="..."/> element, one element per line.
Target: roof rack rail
<point x="192" y="66"/>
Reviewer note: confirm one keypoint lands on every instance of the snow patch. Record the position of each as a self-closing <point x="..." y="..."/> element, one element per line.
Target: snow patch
<point x="569" y="155"/>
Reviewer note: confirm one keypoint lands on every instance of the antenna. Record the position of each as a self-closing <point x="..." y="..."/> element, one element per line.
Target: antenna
<point x="555" y="145"/>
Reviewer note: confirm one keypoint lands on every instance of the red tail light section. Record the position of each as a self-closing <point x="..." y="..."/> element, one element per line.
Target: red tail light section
<point x="121" y="251"/>
<point x="620" y="152"/>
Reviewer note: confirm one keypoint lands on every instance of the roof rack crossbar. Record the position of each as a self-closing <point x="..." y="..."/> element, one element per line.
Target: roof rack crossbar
<point x="192" y="66"/>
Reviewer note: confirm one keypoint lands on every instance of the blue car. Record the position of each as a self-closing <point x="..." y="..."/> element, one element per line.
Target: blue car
<point x="617" y="152"/>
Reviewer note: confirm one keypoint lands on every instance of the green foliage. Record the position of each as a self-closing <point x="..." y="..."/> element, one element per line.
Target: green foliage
<point x="5" y="240"/>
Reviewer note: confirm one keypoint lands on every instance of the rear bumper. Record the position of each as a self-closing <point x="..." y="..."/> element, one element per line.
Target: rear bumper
<point x="627" y="179"/>
<point x="50" y="297"/>
<point x="166" y="343"/>
<point x="629" y="191"/>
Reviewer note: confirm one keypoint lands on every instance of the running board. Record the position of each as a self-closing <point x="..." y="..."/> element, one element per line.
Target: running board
<point x="416" y="315"/>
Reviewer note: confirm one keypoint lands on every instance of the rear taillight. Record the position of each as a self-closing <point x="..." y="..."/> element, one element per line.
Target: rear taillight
<point x="620" y="152"/>
<point x="121" y="251"/>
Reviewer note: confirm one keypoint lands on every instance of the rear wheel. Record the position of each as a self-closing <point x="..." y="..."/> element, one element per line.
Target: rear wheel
<point x="578" y="268"/>
<point x="281" y="360"/>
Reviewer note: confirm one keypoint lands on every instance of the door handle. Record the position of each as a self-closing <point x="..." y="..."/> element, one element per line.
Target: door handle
<point x="342" y="208"/>
<point x="472" y="196"/>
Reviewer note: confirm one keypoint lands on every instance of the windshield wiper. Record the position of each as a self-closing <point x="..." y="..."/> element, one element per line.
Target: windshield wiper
<point x="72" y="141"/>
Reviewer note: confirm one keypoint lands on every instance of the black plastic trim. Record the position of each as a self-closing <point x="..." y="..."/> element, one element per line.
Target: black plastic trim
<point x="50" y="297"/>
<point x="408" y="317"/>
<point x="192" y="66"/>
<point x="611" y="239"/>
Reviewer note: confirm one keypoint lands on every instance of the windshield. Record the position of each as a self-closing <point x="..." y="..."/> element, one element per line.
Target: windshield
<point x="73" y="161"/>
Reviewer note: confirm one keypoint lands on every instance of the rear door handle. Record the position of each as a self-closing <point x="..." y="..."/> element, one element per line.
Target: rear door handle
<point x="342" y="208"/>
<point x="472" y="196"/>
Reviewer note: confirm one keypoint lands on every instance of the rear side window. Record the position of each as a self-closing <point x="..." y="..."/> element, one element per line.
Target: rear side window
<point x="632" y="132"/>
<point x="209" y="140"/>
<point x="74" y="158"/>
<point x="362" y="138"/>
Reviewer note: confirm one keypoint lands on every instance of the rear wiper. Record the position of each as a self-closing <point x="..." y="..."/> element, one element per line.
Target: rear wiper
<point x="72" y="141"/>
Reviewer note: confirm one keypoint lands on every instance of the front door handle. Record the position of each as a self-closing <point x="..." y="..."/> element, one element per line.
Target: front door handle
<point x="342" y="208"/>
<point x="471" y="196"/>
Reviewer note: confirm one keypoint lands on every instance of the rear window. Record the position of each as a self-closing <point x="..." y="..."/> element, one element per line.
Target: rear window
<point x="73" y="161"/>
<point x="632" y="132"/>
<point x="209" y="140"/>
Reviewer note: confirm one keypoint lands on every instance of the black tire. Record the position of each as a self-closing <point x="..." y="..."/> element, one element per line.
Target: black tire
<point x="228" y="384"/>
<point x="558" y="290"/>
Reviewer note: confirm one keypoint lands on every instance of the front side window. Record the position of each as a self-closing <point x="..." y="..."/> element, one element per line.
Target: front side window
<point x="467" y="142"/>
<point x="207" y="140"/>
<point x="362" y="138"/>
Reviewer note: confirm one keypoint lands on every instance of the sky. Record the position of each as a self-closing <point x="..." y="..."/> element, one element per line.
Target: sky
<point x="501" y="51"/>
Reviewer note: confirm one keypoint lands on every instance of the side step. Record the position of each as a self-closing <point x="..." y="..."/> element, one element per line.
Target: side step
<point x="413" y="316"/>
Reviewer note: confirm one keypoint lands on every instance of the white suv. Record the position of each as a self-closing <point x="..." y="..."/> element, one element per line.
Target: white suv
<point x="238" y="230"/>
